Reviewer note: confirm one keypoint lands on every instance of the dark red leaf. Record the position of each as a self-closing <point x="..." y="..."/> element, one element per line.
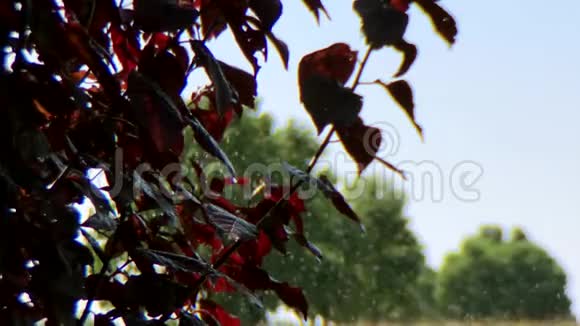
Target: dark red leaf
<point x="315" y="6"/>
<point x="403" y="95"/>
<point x="400" y="5"/>
<point x="213" y="123"/>
<point x="166" y="69"/>
<point x="176" y="262"/>
<point x="281" y="47"/>
<point x="338" y="200"/>
<point x="156" y="113"/>
<point x="273" y="225"/>
<point x="409" y="55"/>
<point x="126" y="47"/>
<point x="243" y="82"/>
<point x="293" y="297"/>
<point x="321" y="76"/>
<point x="382" y="24"/>
<point x="268" y="11"/>
<point x="361" y="142"/>
<point x="154" y="192"/>
<point x="231" y="226"/>
<point x="255" y="278"/>
<point x="295" y="203"/>
<point x="218" y="314"/>
<point x="328" y="102"/>
<point x="213" y="22"/>
<point x="441" y="19"/>
<point x="225" y="95"/>
<point x="254" y="251"/>
<point x="251" y="41"/>
<point x="207" y="142"/>
<point x="334" y="62"/>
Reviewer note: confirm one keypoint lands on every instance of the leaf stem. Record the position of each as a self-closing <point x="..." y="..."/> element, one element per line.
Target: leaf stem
<point x="361" y="68"/>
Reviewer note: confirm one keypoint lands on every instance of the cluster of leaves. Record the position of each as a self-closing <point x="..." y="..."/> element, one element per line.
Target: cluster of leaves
<point x="323" y="74"/>
<point x="90" y="84"/>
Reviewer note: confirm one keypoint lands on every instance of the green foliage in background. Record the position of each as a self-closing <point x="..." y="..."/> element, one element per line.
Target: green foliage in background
<point x="381" y="274"/>
<point x="494" y="278"/>
<point x="370" y="276"/>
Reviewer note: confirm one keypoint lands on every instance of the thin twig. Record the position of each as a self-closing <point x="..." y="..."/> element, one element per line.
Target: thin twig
<point x="100" y="278"/>
<point x="361" y="68"/>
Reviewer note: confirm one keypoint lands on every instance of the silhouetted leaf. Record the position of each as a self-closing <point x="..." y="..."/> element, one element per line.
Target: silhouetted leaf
<point x="154" y="192"/>
<point x="163" y="15"/>
<point x="167" y="67"/>
<point x="409" y="55"/>
<point x="361" y="142"/>
<point x="177" y="262"/>
<point x="441" y="19"/>
<point x="268" y="11"/>
<point x="243" y="82"/>
<point x="403" y="95"/>
<point x="293" y="297"/>
<point x="305" y="177"/>
<point x="139" y="84"/>
<point x="251" y="40"/>
<point x="281" y="47"/>
<point x="301" y="239"/>
<point x="255" y="278"/>
<point x="338" y="200"/>
<point x="208" y="143"/>
<point x="231" y="226"/>
<point x="381" y="23"/>
<point x="156" y="112"/>
<point x="214" y="124"/>
<point x="400" y="5"/>
<point x="321" y="77"/>
<point x="327" y="102"/>
<point x="225" y="94"/>
<point x="335" y="62"/>
<point x="297" y="173"/>
<point x="316" y="6"/>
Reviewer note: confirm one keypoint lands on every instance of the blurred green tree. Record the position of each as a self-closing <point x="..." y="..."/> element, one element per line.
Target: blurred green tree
<point x="363" y="276"/>
<point x="496" y="278"/>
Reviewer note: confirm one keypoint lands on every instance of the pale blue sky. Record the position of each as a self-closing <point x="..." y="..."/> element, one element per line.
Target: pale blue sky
<point x="506" y="96"/>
